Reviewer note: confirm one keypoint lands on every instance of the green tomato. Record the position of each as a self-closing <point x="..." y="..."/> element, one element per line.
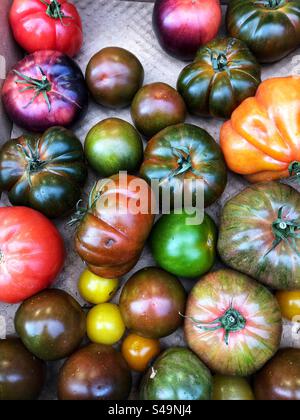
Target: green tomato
<point x="232" y="388"/>
<point x="114" y="145"/>
<point x="183" y="249"/>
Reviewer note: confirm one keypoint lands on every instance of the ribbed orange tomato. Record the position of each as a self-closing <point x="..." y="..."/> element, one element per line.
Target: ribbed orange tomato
<point x="261" y="141"/>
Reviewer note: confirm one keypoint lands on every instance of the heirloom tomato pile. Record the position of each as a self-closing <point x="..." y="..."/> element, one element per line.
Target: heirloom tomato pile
<point x="204" y="317"/>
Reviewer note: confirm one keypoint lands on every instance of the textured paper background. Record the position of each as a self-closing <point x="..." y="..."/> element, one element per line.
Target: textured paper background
<point x="128" y="24"/>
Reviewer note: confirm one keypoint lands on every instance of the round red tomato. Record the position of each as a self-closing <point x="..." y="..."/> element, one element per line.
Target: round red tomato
<point x="46" y="25"/>
<point x="31" y="253"/>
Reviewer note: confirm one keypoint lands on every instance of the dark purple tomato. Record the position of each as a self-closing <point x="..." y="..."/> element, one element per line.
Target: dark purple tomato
<point x="96" y="372"/>
<point x="51" y="324"/>
<point x="44" y="90"/>
<point x="152" y="302"/>
<point x="280" y="378"/>
<point x="22" y="375"/>
<point x="113" y="76"/>
<point x="155" y="107"/>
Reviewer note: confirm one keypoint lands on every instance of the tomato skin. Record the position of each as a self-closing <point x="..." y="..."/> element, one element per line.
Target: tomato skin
<point x="114" y="145"/>
<point x="34" y="30"/>
<point x="231" y="388"/>
<point x="44" y="172"/>
<point x="139" y="351"/>
<point x="95" y="289"/>
<point x="105" y="324"/>
<point x="182" y="249"/>
<point x="95" y="372"/>
<point x="63" y="83"/>
<point x="22" y="375"/>
<point x="289" y="302"/>
<point x="51" y="324"/>
<point x="32" y="253"/>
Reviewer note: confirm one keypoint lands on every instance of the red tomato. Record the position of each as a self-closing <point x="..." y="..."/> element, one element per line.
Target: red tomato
<point x="31" y="253"/>
<point x="46" y="25"/>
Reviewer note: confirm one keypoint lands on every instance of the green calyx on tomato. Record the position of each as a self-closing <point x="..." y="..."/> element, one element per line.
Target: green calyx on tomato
<point x="294" y="170"/>
<point x="54" y="10"/>
<point x="231" y="321"/>
<point x="219" y="61"/>
<point x="39" y="86"/>
<point x="272" y="4"/>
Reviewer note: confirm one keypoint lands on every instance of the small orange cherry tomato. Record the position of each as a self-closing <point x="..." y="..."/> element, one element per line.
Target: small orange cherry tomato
<point x="289" y="302"/>
<point x="139" y="351"/>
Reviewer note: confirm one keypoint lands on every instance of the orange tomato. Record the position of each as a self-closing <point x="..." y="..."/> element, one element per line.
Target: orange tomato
<point x="261" y="141"/>
<point x="289" y="302"/>
<point x="139" y="351"/>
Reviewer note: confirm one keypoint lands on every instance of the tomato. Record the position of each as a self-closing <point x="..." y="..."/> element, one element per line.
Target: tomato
<point x="280" y="378"/>
<point x="183" y="249"/>
<point x="223" y="74"/>
<point x="44" y="90"/>
<point x="112" y="233"/>
<point x="139" y="351"/>
<point x="46" y="25"/>
<point x="289" y="302"/>
<point x="114" y="145"/>
<point x="105" y="324"/>
<point x="96" y="372"/>
<point x="113" y="76"/>
<point x="177" y="375"/>
<point x="31" y="253"/>
<point x="22" y="375"/>
<point x="232" y="388"/>
<point x="261" y="140"/>
<point x="184" y="153"/>
<point x="51" y="324"/>
<point x="259" y="234"/>
<point x="232" y="323"/>
<point x="271" y="28"/>
<point x="95" y="289"/>
<point x="44" y="172"/>
<point x="152" y="302"/>
<point x="155" y="107"/>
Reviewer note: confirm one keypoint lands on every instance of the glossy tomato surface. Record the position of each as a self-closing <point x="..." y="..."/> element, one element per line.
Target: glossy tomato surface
<point x="44" y="90"/>
<point x="280" y="378"/>
<point x="22" y="375"/>
<point x="105" y="324"/>
<point x="231" y="388"/>
<point x="114" y="145"/>
<point x="182" y="26"/>
<point x="46" y="25"/>
<point x="139" y="351"/>
<point x="271" y="28"/>
<point x="51" y="324"/>
<point x="182" y="248"/>
<point x="111" y="236"/>
<point x="179" y="375"/>
<point x="155" y="107"/>
<point x="232" y="323"/>
<point x="152" y="302"/>
<point x="223" y="74"/>
<point x="259" y="234"/>
<point x="185" y="160"/>
<point x="31" y="253"/>
<point x="95" y="289"/>
<point x="44" y="172"/>
<point x="113" y="76"/>
<point x="96" y="372"/>
<point x="289" y="302"/>
<point x="269" y="149"/>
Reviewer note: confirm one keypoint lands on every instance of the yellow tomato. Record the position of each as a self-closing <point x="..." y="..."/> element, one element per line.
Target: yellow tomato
<point x="95" y="289"/>
<point x="289" y="302"/>
<point x="105" y="324"/>
<point x="138" y="351"/>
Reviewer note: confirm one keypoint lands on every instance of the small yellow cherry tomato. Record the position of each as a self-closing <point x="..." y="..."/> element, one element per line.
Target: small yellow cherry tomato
<point x="105" y="324"/>
<point x="95" y="289"/>
<point x="138" y="351"/>
<point x="289" y="302"/>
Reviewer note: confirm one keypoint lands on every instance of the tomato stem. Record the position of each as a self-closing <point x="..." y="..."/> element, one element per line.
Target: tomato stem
<point x="54" y="10"/>
<point x="285" y="230"/>
<point x="40" y="86"/>
<point x="184" y="163"/>
<point x="294" y="170"/>
<point x="219" y="61"/>
<point x="231" y="321"/>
